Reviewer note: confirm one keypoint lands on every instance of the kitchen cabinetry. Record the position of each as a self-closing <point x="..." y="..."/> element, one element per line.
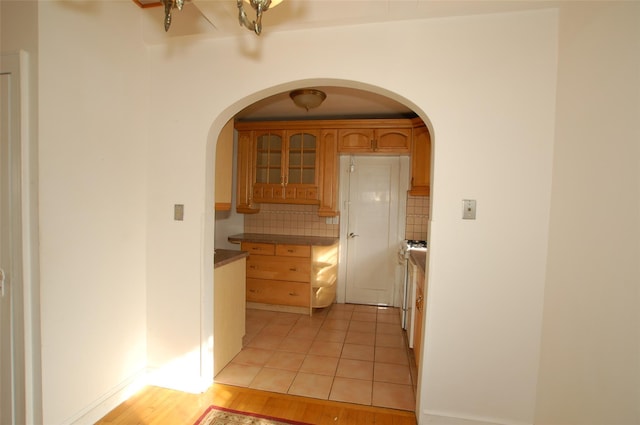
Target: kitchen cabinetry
<point x="374" y="141"/>
<point x="296" y="162"/>
<point x="228" y="311"/>
<point x="420" y="162"/>
<point x="419" y="317"/>
<point x="246" y="172"/>
<point x="224" y="175"/>
<point x="290" y="277"/>
<point x="292" y="162"/>
<point x="418" y="264"/>
<point x="285" y="166"/>
<point x="328" y="173"/>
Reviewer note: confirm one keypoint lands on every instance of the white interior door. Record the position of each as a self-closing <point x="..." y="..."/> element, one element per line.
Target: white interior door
<point x="373" y="231"/>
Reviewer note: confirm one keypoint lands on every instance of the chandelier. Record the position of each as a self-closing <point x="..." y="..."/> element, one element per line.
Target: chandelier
<point x="259" y="6"/>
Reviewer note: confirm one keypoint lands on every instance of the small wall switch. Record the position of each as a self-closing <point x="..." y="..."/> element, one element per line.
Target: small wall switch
<point x="469" y="209"/>
<point x="178" y="212"/>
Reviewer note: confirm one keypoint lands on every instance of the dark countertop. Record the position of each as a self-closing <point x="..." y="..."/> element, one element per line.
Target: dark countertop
<point x="419" y="258"/>
<point x="226" y="256"/>
<point x="283" y="239"/>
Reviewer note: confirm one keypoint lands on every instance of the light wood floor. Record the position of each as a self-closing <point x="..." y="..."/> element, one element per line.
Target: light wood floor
<point x="159" y="406"/>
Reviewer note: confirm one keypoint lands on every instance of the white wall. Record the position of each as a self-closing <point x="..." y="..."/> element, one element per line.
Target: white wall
<point x="109" y="176"/>
<point x="92" y="161"/>
<point x="487" y="86"/>
<point x="492" y="89"/>
<point x="590" y="362"/>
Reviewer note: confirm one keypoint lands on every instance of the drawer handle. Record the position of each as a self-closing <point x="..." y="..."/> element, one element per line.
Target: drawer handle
<point x="293" y="269"/>
<point x="291" y="250"/>
<point x="293" y="294"/>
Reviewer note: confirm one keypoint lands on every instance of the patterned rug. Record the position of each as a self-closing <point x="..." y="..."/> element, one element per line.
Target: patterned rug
<point x="215" y="415"/>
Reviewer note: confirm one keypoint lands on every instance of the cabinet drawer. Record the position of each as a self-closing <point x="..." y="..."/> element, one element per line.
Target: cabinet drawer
<point x="279" y="268"/>
<point x="293" y="250"/>
<point x="258" y="248"/>
<point x="278" y="292"/>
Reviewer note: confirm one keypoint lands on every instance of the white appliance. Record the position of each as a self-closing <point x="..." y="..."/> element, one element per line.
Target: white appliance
<point x="409" y="291"/>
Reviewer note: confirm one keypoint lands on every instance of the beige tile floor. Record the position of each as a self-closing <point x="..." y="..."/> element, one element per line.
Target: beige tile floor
<point x="349" y="353"/>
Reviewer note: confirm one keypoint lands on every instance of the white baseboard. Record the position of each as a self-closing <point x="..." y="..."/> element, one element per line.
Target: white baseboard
<point x="429" y="417"/>
<point x="97" y="410"/>
<point x="180" y="382"/>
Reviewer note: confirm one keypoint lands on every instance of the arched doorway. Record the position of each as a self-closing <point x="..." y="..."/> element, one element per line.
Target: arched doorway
<point x="262" y="109"/>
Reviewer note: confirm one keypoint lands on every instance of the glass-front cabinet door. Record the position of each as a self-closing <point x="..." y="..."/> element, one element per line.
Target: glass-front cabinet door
<point x="269" y="154"/>
<point x="301" y="181"/>
<point x="286" y="166"/>
<point x="302" y="158"/>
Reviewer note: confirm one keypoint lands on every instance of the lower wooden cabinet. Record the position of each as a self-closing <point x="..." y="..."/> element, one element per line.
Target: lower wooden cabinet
<point x="278" y="292"/>
<point x="420" y="306"/>
<point x="228" y="312"/>
<point x="419" y="317"/>
<point x="281" y="268"/>
<point x="293" y="278"/>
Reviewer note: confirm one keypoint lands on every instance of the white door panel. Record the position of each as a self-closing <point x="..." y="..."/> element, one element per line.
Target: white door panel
<point x="373" y="229"/>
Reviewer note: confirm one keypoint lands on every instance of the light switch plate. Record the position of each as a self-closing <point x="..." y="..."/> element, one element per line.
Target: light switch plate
<point x="469" y="209"/>
<point x="178" y="212"/>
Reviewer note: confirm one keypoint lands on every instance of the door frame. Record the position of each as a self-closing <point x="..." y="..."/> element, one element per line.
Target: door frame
<point x="24" y="228"/>
<point x="344" y="164"/>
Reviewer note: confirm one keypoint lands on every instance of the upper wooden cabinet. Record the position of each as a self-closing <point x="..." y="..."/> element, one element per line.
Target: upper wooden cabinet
<point x="286" y="166"/>
<point x="328" y="173"/>
<point x="296" y="162"/>
<point x="420" y="162"/>
<point x="292" y="162"/>
<point x="246" y="172"/>
<point x="382" y="141"/>
<point x="224" y="158"/>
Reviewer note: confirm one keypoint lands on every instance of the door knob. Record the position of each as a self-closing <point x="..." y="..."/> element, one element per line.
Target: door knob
<point x="352" y="235"/>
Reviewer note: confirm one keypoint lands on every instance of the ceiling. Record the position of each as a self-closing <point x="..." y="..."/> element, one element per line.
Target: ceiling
<point x="341" y="102"/>
<point x="219" y="19"/>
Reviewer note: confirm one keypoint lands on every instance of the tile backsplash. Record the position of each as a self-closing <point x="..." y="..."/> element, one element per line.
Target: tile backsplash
<point x="417" y="217"/>
<point x="303" y="220"/>
<point x="289" y="219"/>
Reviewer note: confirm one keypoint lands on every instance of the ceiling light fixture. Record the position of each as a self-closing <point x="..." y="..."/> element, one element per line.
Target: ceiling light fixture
<point x="259" y="6"/>
<point x="307" y="98"/>
<point x="168" y="6"/>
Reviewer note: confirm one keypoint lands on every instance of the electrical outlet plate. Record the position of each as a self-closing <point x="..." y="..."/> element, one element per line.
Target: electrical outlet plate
<point x="332" y="220"/>
<point x="469" y="209"/>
